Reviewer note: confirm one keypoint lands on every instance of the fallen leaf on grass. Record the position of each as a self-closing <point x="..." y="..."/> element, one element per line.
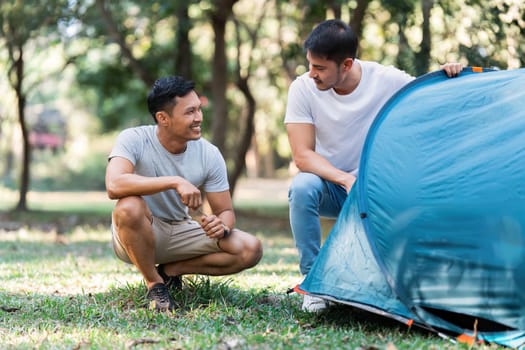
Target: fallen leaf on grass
<point x="9" y="309"/>
<point x="136" y="342"/>
<point x="82" y="345"/>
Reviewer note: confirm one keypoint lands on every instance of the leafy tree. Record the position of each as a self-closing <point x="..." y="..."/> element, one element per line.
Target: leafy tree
<point x="22" y="22"/>
<point x="242" y="83"/>
<point x="485" y="33"/>
<point x="223" y="47"/>
<point x="111" y="22"/>
<point x="111" y="67"/>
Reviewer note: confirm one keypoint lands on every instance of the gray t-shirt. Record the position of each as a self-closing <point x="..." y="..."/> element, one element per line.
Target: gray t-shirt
<point x="201" y="164"/>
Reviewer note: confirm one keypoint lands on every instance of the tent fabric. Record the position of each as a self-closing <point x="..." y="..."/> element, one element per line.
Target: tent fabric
<point x="434" y="229"/>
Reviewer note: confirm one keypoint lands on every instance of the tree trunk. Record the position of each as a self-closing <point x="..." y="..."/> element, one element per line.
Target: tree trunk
<point x="423" y="56"/>
<point x="356" y="21"/>
<point x="241" y="81"/>
<point x="289" y="66"/>
<point x="246" y="136"/>
<point x="219" y="17"/>
<point x="335" y="6"/>
<point x="183" y="56"/>
<point x="26" y="147"/>
<point x="405" y="56"/>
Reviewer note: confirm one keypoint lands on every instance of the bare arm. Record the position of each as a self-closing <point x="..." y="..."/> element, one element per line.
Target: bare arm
<point x="302" y="142"/>
<point x="122" y="182"/>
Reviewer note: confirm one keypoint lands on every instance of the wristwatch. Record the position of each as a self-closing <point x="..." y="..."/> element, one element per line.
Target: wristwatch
<point x="226" y="231"/>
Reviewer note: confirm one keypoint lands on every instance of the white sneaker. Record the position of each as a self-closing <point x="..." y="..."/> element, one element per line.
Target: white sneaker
<point x="314" y="304"/>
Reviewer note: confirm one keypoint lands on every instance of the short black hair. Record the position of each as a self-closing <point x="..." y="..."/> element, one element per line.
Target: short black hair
<point x="163" y="92"/>
<point x="333" y="40"/>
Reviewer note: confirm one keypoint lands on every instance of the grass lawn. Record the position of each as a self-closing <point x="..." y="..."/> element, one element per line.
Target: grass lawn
<point x="62" y="288"/>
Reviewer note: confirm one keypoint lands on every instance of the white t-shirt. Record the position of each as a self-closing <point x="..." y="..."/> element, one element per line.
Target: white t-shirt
<point x="342" y="121"/>
<point x="201" y="164"/>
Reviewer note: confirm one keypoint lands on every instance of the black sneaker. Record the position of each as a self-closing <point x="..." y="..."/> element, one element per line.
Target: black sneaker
<point x="172" y="282"/>
<point x="160" y="299"/>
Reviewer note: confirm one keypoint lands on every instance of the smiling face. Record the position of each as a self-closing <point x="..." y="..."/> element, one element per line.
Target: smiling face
<point x="186" y="117"/>
<point x="182" y="123"/>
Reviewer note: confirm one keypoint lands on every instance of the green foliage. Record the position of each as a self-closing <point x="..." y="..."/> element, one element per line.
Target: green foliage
<point x="148" y="28"/>
<point x="474" y="32"/>
<point x="33" y="14"/>
<point x="121" y="98"/>
<point x="55" y="171"/>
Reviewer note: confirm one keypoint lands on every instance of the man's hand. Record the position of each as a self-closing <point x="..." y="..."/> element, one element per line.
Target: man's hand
<point x="347" y="181"/>
<point x="189" y="194"/>
<point x="452" y="69"/>
<point x="213" y="226"/>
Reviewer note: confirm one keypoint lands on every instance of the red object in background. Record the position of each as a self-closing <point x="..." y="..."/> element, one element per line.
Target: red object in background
<point x="45" y="140"/>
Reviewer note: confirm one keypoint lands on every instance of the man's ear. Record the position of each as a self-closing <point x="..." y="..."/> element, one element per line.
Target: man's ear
<point x="348" y="63"/>
<point x="161" y="117"/>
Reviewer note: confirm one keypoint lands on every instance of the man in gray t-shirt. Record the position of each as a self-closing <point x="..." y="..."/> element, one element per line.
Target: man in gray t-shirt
<point x="156" y="173"/>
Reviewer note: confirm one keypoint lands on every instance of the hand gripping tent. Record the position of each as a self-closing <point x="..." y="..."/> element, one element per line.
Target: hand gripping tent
<point x="433" y="233"/>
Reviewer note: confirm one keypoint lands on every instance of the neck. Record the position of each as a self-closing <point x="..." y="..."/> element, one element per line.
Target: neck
<point x="169" y="143"/>
<point x="350" y="81"/>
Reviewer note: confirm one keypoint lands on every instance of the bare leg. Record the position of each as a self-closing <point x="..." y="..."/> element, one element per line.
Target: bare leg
<point x="240" y="251"/>
<point x="132" y="219"/>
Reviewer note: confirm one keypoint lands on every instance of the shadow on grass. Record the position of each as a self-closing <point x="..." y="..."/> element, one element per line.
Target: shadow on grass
<point x="29" y="251"/>
<point x="52" y="221"/>
<point x="342" y="315"/>
<point x="271" y="219"/>
<point x="279" y="257"/>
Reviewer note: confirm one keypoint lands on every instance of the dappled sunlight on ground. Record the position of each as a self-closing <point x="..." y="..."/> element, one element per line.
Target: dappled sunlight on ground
<point x="261" y="191"/>
<point x="43" y="263"/>
<point x="57" y="255"/>
<point x="83" y="262"/>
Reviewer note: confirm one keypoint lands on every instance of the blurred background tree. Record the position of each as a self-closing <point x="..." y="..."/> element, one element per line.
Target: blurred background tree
<point x="25" y="28"/>
<point x="94" y="61"/>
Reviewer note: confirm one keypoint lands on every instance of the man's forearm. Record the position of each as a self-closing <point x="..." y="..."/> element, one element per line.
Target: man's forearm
<point x="135" y="185"/>
<point x="228" y="218"/>
<point x="318" y="165"/>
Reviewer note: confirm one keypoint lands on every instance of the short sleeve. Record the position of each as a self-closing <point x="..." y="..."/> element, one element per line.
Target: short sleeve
<point x="298" y="105"/>
<point x="127" y="146"/>
<point x="217" y="178"/>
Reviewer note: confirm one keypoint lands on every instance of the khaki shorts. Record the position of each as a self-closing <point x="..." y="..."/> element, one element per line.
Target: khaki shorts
<point x="174" y="241"/>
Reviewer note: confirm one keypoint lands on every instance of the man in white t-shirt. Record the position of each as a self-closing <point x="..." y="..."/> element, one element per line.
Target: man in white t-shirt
<point x="329" y="111"/>
<point x="157" y="172"/>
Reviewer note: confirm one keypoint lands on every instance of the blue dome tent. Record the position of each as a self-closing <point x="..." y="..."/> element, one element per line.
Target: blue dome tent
<point x="433" y="232"/>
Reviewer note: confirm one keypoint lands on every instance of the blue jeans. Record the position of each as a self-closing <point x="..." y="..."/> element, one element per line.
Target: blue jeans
<point x="311" y="197"/>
